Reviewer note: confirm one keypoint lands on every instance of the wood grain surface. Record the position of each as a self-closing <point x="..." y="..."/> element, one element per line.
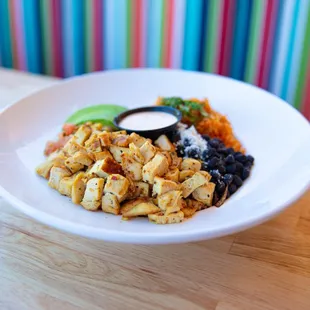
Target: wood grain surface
<point x="266" y="267"/>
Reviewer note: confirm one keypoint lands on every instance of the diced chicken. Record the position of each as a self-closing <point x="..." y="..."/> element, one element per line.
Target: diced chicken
<point x="65" y="186"/>
<point x="93" y="194"/>
<point x="148" y="151"/>
<point x="122" y="140"/>
<point x="162" y="186"/>
<point x="168" y="156"/>
<point x="192" y="203"/>
<point x="192" y="183"/>
<point x="44" y="169"/>
<point x="78" y="188"/>
<point x="175" y="161"/>
<point x="164" y="143"/>
<point x="103" y="168"/>
<point x="191" y="164"/>
<point x="136" y="153"/>
<point x="138" y="140"/>
<point x="170" y="200"/>
<point x="206" y="174"/>
<point x="205" y="193"/>
<point x="132" y="168"/>
<point x="185" y="174"/>
<point x="115" y="134"/>
<point x="117" y="185"/>
<point x="73" y="165"/>
<point x="82" y="158"/>
<point x="105" y="138"/>
<point x="93" y="144"/>
<point x="102" y="155"/>
<point x="118" y="151"/>
<point x="110" y="204"/>
<point x="82" y="134"/>
<point x="56" y="174"/>
<point x="72" y="147"/>
<point x="141" y="208"/>
<point x="173" y="175"/>
<point x="142" y="189"/>
<point x="158" y="166"/>
<point x="167" y="219"/>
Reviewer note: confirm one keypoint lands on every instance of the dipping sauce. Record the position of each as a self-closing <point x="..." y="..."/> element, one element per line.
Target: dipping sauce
<point x="148" y="120"/>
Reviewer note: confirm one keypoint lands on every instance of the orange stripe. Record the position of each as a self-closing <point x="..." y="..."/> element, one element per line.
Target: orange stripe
<point x="167" y="48"/>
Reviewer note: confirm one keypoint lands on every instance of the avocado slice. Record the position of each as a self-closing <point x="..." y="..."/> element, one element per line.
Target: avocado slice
<point x="101" y="113"/>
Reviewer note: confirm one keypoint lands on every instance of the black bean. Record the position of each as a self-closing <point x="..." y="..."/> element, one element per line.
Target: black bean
<point x="230" y="150"/>
<point x="229" y="159"/>
<point x="205" y="155"/>
<point x="228" y="178"/>
<point x="214" y="143"/>
<point x="221" y="169"/>
<point x="237" y="154"/>
<point x="232" y="188"/>
<point x="241" y="158"/>
<point x="239" y="167"/>
<point x="237" y="181"/>
<point x="250" y="158"/>
<point x="248" y="164"/>
<point x="231" y="168"/>
<point x="193" y="152"/>
<point x="211" y="151"/>
<point x="245" y="173"/>
<point x="215" y="174"/>
<point x="180" y="150"/>
<point x="213" y="162"/>
<point x="220" y="187"/>
<point x="204" y="166"/>
<point x="223" y="151"/>
<point x="206" y="137"/>
<point x="186" y="142"/>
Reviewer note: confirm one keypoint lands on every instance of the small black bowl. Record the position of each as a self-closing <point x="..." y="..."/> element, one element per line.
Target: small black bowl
<point x="153" y="134"/>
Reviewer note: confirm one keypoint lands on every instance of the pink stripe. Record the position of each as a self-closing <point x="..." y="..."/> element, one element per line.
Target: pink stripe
<point x="19" y="34"/>
<point x="98" y="35"/>
<point x="57" y="68"/>
<point x="306" y="97"/>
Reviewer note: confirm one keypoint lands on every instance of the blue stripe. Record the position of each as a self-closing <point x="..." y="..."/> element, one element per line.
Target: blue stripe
<point x="192" y="34"/>
<point x="288" y="65"/>
<point x="276" y="42"/>
<point x="5" y="37"/>
<point x="108" y="34"/>
<point x="32" y="36"/>
<point x="240" y="39"/>
<point x="153" y="36"/>
<point x="203" y="33"/>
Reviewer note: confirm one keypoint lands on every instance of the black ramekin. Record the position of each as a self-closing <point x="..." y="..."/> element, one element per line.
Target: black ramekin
<point x="153" y="134"/>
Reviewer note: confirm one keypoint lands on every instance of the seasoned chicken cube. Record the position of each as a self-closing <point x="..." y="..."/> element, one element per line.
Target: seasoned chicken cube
<point x="158" y="166"/>
<point x="71" y="147"/>
<point x="102" y="155"/>
<point x="93" y="144"/>
<point x="172" y="218"/>
<point x="185" y="174"/>
<point x="138" y="140"/>
<point x="172" y="200"/>
<point x="142" y="189"/>
<point x="65" y="185"/>
<point x="192" y="183"/>
<point x="168" y="156"/>
<point x="132" y="168"/>
<point x="115" y="134"/>
<point x="122" y="140"/>
<point x="175" y="160"/>
<point x="56" y="174"/>
<point x="117" y="185"/>
<point x="194" y="204"/>
<point x="73" y="165"/>
<point x="205" y="193"/>
<point x="93" y="194"/>
<point x="163" y="143"/>
<point x="136" y="153"/>
<point x="148" y="151"/>
<point x="118" y="151"/>
<point x="206" y="174"/>
<point x="82" y="134"/>
<point x="140" y="209"/>
<point x="110" y="204"/>
<point x="82" y="158"/>
<point x="105" y="138"/>
<point x="162" y="186"/>
<point x="96" y="127"/>
<point x="191" y="164"/>
<point x="103" y="168"/>
<point x="78" y="188"/>
<point x="56" y="159"/>
<point x="129" y="204"/>
<point x="173" y="175"/>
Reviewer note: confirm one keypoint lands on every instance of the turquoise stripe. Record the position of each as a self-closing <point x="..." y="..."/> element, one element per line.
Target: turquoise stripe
<point x="288" y="65"/>
<point x="192" y="34"/>
<point x="120" y="25"/>
<point x="154" y="33"/>
<point x="108" y="34"/>
<point x="32" y="36"/>
<point x="240" y="39"/>
<point x="5" y="37"/>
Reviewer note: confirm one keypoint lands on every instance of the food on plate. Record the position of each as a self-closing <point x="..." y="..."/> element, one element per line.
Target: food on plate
<point x="206" y="120"/>
<point x="132" y="176"/>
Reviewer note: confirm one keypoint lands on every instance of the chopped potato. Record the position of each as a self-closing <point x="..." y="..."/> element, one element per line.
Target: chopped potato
<point x="82" y="134"/>
<point x="110" y="204"/>
<point x="162" y="186"/>
<point x="117" y="185"/>
<point x="93" y="194"/>
<point x="136" y="153"/>
<point x="172" y="218"/>
<point x="170" y="199"/>
<point x="103" y="168"/>
<point x="73" y="165"/>
<point x="173" y="175"/>
<point x="185" y="174"/>
<point x="148" y="151"/>
<point x="163" y="143"/>
<point x="141" y="209"/>
<point x="132" y="168"/>
<point x="205" y="193"/>
<point x="56" y="174"/>
<point x="118" y="151"/>
<point x="191" y="164"/>
<point x="192" y="183"/>
<point x="158" y="166"/>
<point x="78" y="188"/>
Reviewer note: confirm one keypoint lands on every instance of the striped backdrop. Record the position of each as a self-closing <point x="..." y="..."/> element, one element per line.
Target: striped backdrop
<point x="263" y="42"/>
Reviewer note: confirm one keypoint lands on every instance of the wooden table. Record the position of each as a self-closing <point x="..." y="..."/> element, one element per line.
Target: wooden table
<point x="267" y="267"/>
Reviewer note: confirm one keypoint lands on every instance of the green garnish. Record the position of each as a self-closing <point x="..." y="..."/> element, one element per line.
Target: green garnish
<point x="102" y="113"/>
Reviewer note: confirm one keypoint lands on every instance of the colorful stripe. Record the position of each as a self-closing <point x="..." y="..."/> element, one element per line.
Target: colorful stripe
<point x="306" y="100"/>
<point x="264" y="42"/>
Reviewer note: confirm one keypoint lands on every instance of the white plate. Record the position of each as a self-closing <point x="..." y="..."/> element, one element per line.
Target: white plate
<point x="272" y="131"/>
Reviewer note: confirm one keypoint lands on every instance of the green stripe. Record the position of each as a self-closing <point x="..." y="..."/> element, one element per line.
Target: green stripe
<point x="129" y="33"/>
<point x="88" y="36"/>
<point x="46" y="36"/>
<point x="255" y="32"/>
<point x="163" y="24"/>
<point x="305" y="58"/>
<point x="212" y="34"/>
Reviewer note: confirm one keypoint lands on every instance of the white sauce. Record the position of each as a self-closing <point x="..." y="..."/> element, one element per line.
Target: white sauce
<point x="147" y="120"/>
